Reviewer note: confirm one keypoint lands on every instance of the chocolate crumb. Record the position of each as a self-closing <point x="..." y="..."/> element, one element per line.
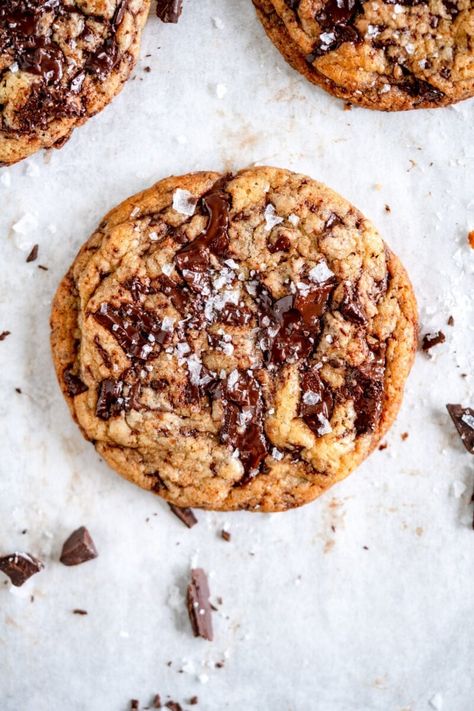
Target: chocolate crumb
<point x="225" y="535"/>
<point x="383" y="446"/>
<point x="78" y="548"/>
<point x="347" y="106"/>
<point x="77" y="611"/>
<point x="33" y="254"/>
<point x="199" y="609"/>
<point x="41" y="266"/>
<point x="470" y="238"/>
<point x="173" y="706"/>
<point x="185" y="515"/>
<point x="134" y="704"/>
<point x="432" y="339"/>
<point x="463" y="418"/>
<point x="450" y="321"/>
<point x="20" y="567"/>
<point x="156" y="702"/>
<point x="219" y="665"/>
<point x="388" y="208"/>
<point x="18" y="390"/>
<point x="147" y="69"/>
<point x="193" y="701"/>
<point x="4" y="334"/>
<point x="169" y="10"/>
<point x="366" y="548"/>
<point x="404" y="436"/>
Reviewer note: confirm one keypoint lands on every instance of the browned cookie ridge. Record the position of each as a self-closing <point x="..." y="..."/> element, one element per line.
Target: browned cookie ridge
<point x="61" y="61"/>
<point x="236" y="341"/>
<point x="383" y="54"/>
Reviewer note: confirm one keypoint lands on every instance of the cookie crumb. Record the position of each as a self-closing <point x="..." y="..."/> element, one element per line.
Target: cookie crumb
<point x="470" y="238"/>
<point x="432" y="339"/>
<point x="225" y="535"/>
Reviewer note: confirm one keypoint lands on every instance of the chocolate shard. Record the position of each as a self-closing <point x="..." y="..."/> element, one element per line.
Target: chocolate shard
<point x="4" y="334"/>
<point x="185" y="515"/>
<point x="173" y="706"/>
<point x="169" y="10"/>
<point x="432" y="339"/>
<point x="73" y="383"/>
<point x="463" y="418"/>
<point x="226" y="535"/>
<point x="199" y="608"/>
<point x="20" y="567"/>
<point x="33" y="254"/>
<point x="78" y="548"/>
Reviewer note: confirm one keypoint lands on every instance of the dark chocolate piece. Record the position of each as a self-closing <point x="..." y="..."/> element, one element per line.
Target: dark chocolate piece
<point x="136" y="330"/>
<point x="199" y="609"/>
<point x="365" y="386"/>
<point x="336" y="20"/>
<point x="225" y="535"/>
<point x="169" y="10"/>
<point x="419" y="88"/>
<point x="78" y="611"/>
<point x="432" y="339"/>
<point x="463" y="418"/>
<point x="134" y="704"/>
<point x="73" y="383"/>
<point x="78" y="548"/>
<point x="185" y="515"/>
<point x="193" y="701"/>
<point x="350" y="307"/>
<point x="110" y="399"/>
<point x="4" y="334"/>
<point x="317" y="402"/>
<point x="20" y="567"/>
<point x="33" y="254"/>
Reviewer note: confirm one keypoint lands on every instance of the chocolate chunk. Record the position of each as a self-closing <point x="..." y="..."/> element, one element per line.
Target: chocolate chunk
<point x="20" y="567"/>
<point x="33" y="254"/>
<point x="281" y="244"/>
<point x="199" y="609"/>
<point x="73" y="383"/>
<point x="169" y="10"/>
<point x="77" y="611"/>
<point x="4" y="334"/>
<point x="243" y="427"/>
<point x="419" y="88"/>
<point x="110" y="399"/>
<point x="313" y="301"/>
<point x="365" y="385"/>
<point x="350" y="307"/>
<point x="136" y="330"/>
<point x="185" y="515"/>
<point x="78" y="548"/>
<point x="46" y="60"/>
<point x="225" y="535"/>
<point x="317" y="402"/>
<point x="463" y="418"/>
<point x="233" y="315"/>
<point x="104" y="59"/>
<point x="336" y="20"/>
<point x="432" y="339"/>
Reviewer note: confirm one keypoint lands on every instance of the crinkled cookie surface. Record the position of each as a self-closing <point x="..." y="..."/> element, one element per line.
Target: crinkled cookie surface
<point x="381" y="54"/>
<point x="61" y="61"/>
<point x="234" y="341"/>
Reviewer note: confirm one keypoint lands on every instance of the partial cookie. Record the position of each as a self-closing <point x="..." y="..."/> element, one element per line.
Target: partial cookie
<point x="234" y="342"/>
<point x="61" y="61"/>
<point x="380" y="54"/>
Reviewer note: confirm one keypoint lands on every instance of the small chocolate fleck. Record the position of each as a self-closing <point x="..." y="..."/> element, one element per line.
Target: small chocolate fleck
<point x="225" y="535"/>
<point x="463" y="418"/>
<point x="404" y="436"/>
<point x="450" y="321"/>
<point x="199" y="609"/>
<point x="134" y="704"/>
<point x="78" y="611"/>
<point x="4" y="334"/>
<point x="432" y="339"/>
<point x="20" y="567"/>
<point x="41" y="266"/>
<point x="33" y="254"/>
<point x="185" y="515"/>
<point x="156" y="703"/>
<point x="388" y="208"/>
<point x="193" y="701"/>
<point x="173" y="706"/>
<point x="78" y="548"/>
<point x="169" y="10"/>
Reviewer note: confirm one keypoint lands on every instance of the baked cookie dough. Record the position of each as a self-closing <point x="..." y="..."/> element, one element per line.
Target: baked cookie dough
<point x="234" y="341"/>
<point x="61" y="61"/>
<point x="390" y="55"/>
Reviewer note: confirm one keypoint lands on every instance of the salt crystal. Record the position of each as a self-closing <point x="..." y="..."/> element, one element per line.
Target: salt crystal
<point x="167" y="269"/>
<point x="233" y="378"/>
<point x="153" y="237"/>
<point x="5" y="179"/>
<point x="311" y="398"/>
<point x="167" y="324"/>
<point x="32" y="170"/>
<point x="325" y="426"/>
<point x="221" y="91"/>
<point x="276" y="454"/>
<point x="217" y="22"/>
<point x="294" y="220"/>
<point x="203" y="678"/>
<point x="468" y="420"/>
<point x="271" y="218"/>
<point x="436" y="702"/>
<point x="184" y="202"/>
<point x="22" y="229"/>
<point x="320" y="273"/>
<point x="458" y="488"/>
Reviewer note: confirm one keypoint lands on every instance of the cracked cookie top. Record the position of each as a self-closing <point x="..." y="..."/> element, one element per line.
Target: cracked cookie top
<point x="60" y="62"/>
<point x="384" y="54"/>
<point x="234" y="341"/>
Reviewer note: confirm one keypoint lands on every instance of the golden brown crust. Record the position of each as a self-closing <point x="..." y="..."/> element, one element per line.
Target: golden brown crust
<point x="41" y="105"/>
<point x="438" y="69"/>
<point x="174" y="446"/>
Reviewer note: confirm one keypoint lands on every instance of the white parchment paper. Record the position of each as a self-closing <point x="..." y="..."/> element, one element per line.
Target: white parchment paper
<point x="361" y="601"/>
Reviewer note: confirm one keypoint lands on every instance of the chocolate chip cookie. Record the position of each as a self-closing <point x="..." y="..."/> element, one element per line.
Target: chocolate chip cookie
<point x="382" y="54"/>
<point x="61" y="61"/>
<point x="234" y="342"/>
